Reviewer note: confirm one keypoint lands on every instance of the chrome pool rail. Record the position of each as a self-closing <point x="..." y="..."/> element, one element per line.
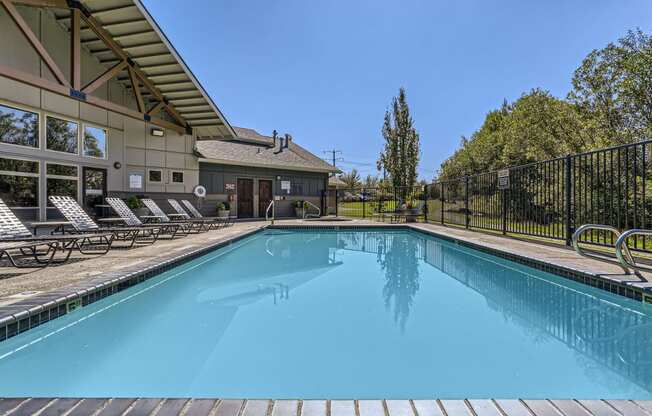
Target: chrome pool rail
<point x="621" y="246"/>
<point x="273" y="208"/>
<point x="625" y="265"/>
<point x="311" y="215"/>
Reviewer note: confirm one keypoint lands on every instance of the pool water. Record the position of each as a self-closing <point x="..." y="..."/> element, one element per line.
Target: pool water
<point x="342" y="314"/>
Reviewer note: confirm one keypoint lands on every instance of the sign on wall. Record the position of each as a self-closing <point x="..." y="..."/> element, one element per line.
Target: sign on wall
<point x="136" y="181"/>
<point x="229" y="186"/>
<point x="286" y="186"/>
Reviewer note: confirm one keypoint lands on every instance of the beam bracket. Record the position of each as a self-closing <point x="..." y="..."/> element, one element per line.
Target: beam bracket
<point x="78" y="94"/>
<point x="147" y="117"/>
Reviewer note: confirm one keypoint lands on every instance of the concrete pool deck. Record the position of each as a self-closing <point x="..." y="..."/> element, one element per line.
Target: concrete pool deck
<point x="211" y="407"/>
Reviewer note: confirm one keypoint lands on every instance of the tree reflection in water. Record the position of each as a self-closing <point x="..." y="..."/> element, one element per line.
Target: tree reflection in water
<point x="398" y="258"/>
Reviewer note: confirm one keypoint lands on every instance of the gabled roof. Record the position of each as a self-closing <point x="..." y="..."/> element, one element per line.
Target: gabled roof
<point x="132" y="27"/>
<point x="251" y="148"/>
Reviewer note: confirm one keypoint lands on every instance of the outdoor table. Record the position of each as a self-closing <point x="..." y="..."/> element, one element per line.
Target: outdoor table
<point x="57" y="225"/>
<point x="177" y="215"/>
<point x="111" y="220"/>
<point x="151" y="218"/>
<point x="102" y="210"/>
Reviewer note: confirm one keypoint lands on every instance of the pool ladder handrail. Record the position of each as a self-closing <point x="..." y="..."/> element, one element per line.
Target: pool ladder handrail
<point x="273" y="207"/>
<point x="619" y="248"/>
<point x="312" y="205"/>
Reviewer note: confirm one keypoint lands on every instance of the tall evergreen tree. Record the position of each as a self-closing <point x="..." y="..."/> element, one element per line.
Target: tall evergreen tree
<point x="400" y="156"/>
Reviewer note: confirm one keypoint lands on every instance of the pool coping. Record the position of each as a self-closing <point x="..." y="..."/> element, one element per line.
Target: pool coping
<point x="29" y="313"/>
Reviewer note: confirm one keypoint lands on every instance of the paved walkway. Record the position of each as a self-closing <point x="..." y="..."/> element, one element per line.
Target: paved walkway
<point x="206" y="407"/>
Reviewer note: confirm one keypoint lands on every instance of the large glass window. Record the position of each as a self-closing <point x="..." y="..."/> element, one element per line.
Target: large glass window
<point x="62" y="135"/>
<point x="94" y="142"/>
<point x="61" y="180"/>
<point x="18" y="127"/>
<point x="19" y="183"/>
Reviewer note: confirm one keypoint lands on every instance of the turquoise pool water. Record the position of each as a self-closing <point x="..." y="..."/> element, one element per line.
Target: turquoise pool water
<point x="348" y="314"/>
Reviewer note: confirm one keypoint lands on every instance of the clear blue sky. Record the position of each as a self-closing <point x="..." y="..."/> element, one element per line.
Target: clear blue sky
<point x="325" y="71"/>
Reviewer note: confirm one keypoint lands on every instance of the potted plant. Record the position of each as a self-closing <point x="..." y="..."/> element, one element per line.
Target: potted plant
<point x="299" y="206"/>
<point x="136" y="206"/>
<point x="223" y="209"/>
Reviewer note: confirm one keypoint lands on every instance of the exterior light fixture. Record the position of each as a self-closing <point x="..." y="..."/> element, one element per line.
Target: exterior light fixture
<point x="117" y="165"/>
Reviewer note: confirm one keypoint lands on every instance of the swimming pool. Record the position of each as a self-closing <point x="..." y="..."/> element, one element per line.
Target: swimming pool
<point x="342" y="314"/>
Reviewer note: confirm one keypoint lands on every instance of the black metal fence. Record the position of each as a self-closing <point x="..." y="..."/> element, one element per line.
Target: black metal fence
<point x="548" y="199"/>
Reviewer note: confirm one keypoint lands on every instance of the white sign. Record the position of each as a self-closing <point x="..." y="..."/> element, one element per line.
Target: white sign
<point x="94" y="192"/>
<point x="286" y="186"/>
<point x="503" y="179"/>
<point x="136" y="181"/>
<point x="229" y="186"/>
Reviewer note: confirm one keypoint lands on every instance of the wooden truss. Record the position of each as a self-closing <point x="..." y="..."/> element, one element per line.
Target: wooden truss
<point x="73" y="88"/>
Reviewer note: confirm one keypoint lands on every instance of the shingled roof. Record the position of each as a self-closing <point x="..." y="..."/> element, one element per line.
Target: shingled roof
<point x="251" y="148"/>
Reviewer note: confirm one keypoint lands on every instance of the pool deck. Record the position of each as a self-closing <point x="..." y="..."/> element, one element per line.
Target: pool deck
<point x="206" y="407"/>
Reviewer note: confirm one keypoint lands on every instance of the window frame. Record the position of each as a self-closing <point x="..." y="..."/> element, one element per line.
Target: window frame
<point x="27" y="109"/>
<point x="155" y="170"/>
<point x="70" y="178"/>
<point x="82" y="144"/>
<point x="63" y="118"/>
<point x="26" y="174"/>
<point x="183" y="177"/>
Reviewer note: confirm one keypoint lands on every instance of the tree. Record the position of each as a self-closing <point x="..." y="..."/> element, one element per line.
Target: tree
<point x="612" y="89"/>
<point x="351" y="179"/>
<point x="371" y="182"/>
<point x="400" y="155"/>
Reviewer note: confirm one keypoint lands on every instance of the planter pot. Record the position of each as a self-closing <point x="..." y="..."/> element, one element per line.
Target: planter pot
<point x="223" y="213"/>
<point x="140" y="212"/>
<point x="298" y="212"/>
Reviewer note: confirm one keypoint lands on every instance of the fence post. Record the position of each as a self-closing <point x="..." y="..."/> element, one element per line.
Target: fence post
<point x="425" y="203"/>
<point x="441" y="198"/>
<point x="466" y="202"/>
<point x="504" y="225"/>
<point x="337" y="191"/>
<point x="364" y="198"/>
<point x="567" y="202"/>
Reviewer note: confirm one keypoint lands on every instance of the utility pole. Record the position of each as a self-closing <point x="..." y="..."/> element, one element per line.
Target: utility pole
<point x="334" y="154"/>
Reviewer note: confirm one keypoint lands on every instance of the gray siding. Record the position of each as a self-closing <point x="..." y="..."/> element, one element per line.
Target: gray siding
<point x="304" y="185"/>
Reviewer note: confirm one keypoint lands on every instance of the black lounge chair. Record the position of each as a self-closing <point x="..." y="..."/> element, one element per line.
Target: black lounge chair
<point x="15" y="249"/>
<point x="83" y="224"/>
<point x="217" y="221"/>
<point x="12" y="230"/>
<point x="188" y="225"/>
<point x="129" y="218"/>
<point x="208" y="222"/>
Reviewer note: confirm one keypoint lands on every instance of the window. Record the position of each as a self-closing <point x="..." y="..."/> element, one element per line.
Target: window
<point x="177" y="177"/>
<point x="19" y="182"/>
<point x="94" y="142"/>
<point x="18" y="127"/>
<point x="62" y="135"/>
<point x="61" y="180"/>
<point x="155" y="176"/>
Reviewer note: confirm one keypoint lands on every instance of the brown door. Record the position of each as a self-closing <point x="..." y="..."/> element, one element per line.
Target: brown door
<point x="264" y="196"/>
<point x="245" y="198"/>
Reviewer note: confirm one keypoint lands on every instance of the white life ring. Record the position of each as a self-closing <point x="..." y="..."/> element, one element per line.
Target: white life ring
<point x="199" y="191"/>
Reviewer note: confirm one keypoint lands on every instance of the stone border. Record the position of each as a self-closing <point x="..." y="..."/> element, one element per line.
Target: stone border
<point x="21" y="316"/>
<point x="591" y="279"/>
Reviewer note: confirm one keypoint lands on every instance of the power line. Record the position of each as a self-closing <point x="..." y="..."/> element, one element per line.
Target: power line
<point x="334" y="154"/>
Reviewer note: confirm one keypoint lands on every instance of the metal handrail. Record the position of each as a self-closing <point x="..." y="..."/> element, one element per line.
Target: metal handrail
<point x="621" y="245"/>
<point x="312" y="205"/>
<point x="581" y="230"/>
<point x="273" y="207"/>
